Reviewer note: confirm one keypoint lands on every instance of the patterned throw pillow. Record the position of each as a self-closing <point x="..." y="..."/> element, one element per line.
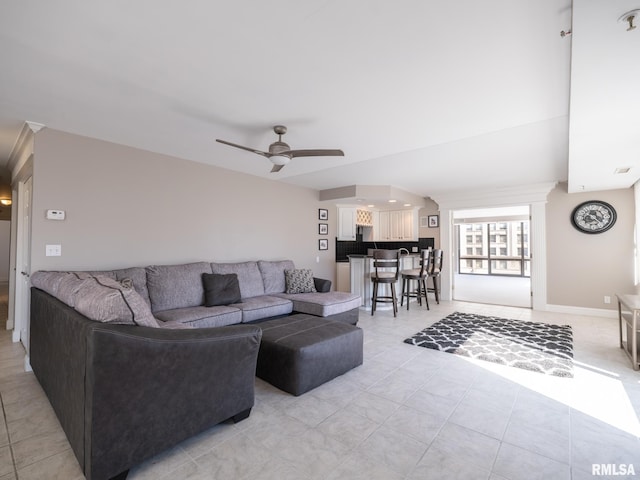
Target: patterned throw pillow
<point x="299" y="280"/>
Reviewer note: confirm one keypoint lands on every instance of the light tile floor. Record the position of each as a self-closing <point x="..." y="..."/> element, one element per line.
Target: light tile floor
<point x="406" y="413"/>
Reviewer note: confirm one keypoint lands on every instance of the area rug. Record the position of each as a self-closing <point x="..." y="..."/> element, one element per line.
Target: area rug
<point x="539" y="347"/>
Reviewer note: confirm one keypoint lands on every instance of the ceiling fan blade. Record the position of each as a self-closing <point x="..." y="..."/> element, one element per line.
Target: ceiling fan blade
<point x="248" y="149"/>
<point x="276" y="168"/>
<point x="315" y="153"/>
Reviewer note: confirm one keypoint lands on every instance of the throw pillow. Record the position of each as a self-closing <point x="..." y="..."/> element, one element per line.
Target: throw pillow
<point x="106" y="300"/>
<point x="220" y="289"/>
<point x="299" y="280"/>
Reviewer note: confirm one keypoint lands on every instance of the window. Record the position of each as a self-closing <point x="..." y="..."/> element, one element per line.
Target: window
<point x="490" y="252"/>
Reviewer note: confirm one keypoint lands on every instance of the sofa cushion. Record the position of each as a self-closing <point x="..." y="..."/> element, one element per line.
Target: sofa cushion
<point x="323" y="304"/>
<point x="201" y="317"/>
<point x="62" y="285"/>
<point x="106" y="300"/>
<point x="264" y="306"/>
<point x="220" y="289"/>
<point x="137" y="275"/>
<point x="299" y="281"/>
<point x="273" y="275"/>
<point x="249" y="277"/>
<point x="176" y="286"/>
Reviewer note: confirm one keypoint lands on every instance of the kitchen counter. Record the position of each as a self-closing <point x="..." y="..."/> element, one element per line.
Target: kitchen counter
<point x="361" y="267"/>
<point x="411" y="255"/>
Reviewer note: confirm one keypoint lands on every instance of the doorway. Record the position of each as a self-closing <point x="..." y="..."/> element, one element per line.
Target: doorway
<point x="493" y="256"/>
<point x="23" y="257"/>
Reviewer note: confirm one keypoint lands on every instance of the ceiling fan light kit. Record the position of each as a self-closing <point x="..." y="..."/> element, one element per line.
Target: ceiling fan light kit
<point x="280" y="159"/>
<point x="280" y="154"/>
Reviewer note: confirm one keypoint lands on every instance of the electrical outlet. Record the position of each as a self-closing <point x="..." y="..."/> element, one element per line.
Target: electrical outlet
<point x="607" y="299"/>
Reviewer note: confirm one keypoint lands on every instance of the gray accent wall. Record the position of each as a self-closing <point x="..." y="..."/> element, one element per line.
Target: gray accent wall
<point x="583" y="268"/>
<point x="128" y="207"/>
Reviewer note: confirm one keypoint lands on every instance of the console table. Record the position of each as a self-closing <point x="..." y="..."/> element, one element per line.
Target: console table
<point x="628" y="313"/>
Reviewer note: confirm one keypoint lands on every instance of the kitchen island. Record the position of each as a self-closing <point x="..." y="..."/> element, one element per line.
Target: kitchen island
<point x="361" y="267"/>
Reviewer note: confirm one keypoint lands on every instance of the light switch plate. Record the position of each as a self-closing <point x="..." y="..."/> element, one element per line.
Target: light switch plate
<point x="53" y="250"/>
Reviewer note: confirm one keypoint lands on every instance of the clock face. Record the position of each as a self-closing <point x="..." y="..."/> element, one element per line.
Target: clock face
<point x="593" y="217"/>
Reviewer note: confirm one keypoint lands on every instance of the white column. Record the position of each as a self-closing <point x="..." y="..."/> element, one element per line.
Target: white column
<point x="538" y="252"/>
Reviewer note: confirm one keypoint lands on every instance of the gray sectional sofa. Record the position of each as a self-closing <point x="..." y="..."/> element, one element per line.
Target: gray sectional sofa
<point x="176" y="294"/>
<point x="133" y="361"/>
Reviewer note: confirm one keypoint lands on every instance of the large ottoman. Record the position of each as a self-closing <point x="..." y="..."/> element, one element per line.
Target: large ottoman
<point x="300" y="352"/>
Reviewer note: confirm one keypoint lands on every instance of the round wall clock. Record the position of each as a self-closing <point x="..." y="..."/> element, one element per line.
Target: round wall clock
<point x="593" y="216"/>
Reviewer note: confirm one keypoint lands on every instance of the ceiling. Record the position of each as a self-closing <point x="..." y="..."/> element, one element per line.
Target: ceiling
<point x="423" y="95"/>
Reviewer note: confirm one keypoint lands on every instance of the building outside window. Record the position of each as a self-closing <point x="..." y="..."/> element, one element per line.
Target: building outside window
<point x="499" y="248"/>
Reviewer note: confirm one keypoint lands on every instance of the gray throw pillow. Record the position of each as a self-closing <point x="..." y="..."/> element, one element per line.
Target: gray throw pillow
<point x="220" y="289"/>
<point x="299" y="280"/>
<point x="106" y="300"/>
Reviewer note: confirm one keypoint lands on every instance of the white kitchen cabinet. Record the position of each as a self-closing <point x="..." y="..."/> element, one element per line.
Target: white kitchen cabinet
<point x="347" y="223"/>
<point x="383" y="233"/>
<point x="409" y="219"/>
<point x="396" y="225"/>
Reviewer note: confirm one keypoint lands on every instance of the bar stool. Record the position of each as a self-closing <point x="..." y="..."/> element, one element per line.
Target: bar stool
<point x="386" y="264"/>
<point x="420" y="275"/>
<point x="433" y="272"/>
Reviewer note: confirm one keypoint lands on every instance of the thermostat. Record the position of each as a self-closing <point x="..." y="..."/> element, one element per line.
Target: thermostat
<point x="55" y="214"/>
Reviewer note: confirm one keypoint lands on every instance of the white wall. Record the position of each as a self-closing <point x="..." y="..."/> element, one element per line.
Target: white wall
<point x="128" y="207"/>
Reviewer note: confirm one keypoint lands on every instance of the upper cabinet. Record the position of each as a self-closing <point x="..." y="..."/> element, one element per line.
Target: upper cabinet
<point x="350" y="218"/>
<point x="347" y="223"/>
<point x="380" y="226"/>
<point x="396" y="225"/>
<point x="381" y="232"/>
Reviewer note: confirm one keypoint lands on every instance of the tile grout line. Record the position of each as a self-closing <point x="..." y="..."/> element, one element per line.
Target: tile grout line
<point x="6" y="426"/>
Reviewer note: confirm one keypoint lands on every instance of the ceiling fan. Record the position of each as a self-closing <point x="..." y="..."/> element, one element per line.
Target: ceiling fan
<point x="280" y="153"/>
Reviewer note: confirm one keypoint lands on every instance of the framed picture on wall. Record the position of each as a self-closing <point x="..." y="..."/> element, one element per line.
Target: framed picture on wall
<point x="433" y="221"/>
<point x="424" y="222"/>
<point x="323" y="229"/>
<point x="323" y="244"/>
<point x="323" y="214"/>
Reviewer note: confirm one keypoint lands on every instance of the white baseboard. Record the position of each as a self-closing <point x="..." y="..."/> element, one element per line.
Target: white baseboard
<point x="15" y="336"/>
<point x="590" y="312"/>
<point x="27" y="364"/>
